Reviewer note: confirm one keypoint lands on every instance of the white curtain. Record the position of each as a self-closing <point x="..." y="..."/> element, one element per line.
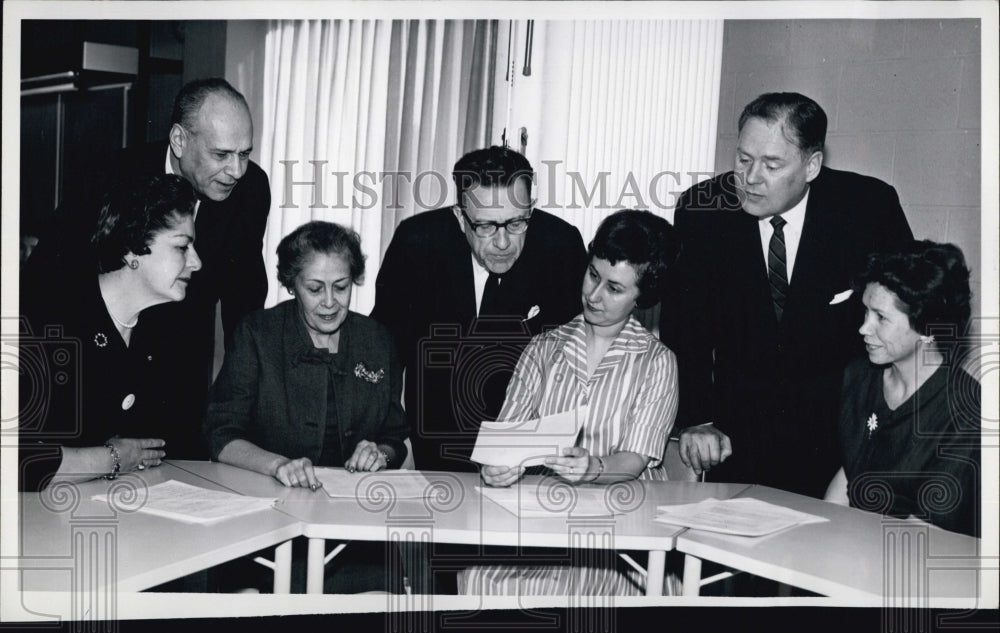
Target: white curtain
<point x="362" y="122"/>
<point x="618" y="113"/>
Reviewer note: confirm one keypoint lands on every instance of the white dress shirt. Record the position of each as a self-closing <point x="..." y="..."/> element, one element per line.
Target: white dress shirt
<point x="795" y="218"/>
<point x="169" y="169"/>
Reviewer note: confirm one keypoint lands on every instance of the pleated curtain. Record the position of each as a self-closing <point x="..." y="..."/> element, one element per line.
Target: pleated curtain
<point x="374" y="114"/>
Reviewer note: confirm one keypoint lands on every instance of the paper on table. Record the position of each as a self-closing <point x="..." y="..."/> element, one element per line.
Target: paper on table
<point x="527" y="443"/>
<point x="743" y="517"/>
<point x="405" y="484"/>
<point x="531" y="502"/>
<point x="177" y="500"/>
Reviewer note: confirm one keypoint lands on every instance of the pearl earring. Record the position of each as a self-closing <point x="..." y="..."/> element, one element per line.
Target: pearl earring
<point x="134" y="264"/>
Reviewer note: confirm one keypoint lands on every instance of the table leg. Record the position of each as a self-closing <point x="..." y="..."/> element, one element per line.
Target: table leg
<point x="283" y="568"/>
<point x="654" y="572"/>
<point x="692" y="575"/>
<point x="315" y="564"/>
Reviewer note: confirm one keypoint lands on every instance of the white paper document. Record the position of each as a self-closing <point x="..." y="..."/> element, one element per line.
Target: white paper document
<point x="404" y="484"/>
<point x="536" y="501"/>
<point x="177" y="500"/>
<point x="742" y="517"/>
<point x="526" y="443"/>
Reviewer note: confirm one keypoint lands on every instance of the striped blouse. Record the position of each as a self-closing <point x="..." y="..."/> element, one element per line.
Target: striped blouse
<point x="629" y="404"/>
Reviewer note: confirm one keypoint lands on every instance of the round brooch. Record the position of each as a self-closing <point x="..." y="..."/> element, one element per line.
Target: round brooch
<point x="100" y="339"/>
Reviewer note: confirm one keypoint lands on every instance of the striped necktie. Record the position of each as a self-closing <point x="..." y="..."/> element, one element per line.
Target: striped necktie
<point x="777" y="271"/>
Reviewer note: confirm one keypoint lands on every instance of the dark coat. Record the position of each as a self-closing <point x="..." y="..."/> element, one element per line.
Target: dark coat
<point x="773" y="387"/>
<point x="272" y="392"/>
<point x="457" y="365"/>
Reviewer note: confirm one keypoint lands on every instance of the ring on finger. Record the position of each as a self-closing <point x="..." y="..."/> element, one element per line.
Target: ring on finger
<point x="141" y="466"/>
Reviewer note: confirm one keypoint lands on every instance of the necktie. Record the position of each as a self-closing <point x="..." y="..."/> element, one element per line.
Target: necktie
<point x="488" y="305"/>
<point x="777" y="272"/>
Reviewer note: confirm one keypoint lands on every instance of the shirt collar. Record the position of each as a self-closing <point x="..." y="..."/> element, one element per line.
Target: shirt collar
<point x="795" y="217"/>
<point x="632" y="339"/>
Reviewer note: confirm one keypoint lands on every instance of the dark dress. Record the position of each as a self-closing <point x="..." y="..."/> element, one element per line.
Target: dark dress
<point x="80" y="384"/>
<point x="921" y="459"/>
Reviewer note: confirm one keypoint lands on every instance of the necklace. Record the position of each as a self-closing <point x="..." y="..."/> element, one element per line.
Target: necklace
<point x="127" y="326"/>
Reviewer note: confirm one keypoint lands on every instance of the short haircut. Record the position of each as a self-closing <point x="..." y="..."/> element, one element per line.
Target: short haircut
<point x="930" y="280"/>
<point x="803" y="120"/>
<point x="493" y="167"/>
<point x="191" y="97"/>
<point x="646" y="241"/>
<point x="311" y="238"/>
<point x="134" y="211"/>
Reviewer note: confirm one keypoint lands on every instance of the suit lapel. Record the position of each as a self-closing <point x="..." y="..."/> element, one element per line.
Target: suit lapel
<point x="813" y="259"/>
<point x="305" y="383"/>
<point x="753" y="277"/>
<point x="456" y="292"/>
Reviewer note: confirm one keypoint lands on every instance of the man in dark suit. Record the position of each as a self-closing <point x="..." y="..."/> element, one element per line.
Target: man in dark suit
<point x="209" y="145"/>
<point x="762" y="317"/>
<point x="463" y="289"/>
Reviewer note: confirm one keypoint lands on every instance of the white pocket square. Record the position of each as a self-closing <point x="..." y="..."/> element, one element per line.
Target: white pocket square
<point x="532" y="313"/>
<point x="841" y="297"/>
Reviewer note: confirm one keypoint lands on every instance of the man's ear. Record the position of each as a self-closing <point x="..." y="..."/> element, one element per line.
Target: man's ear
<point x="813" y="165"/>
<point x="178" y="139"/>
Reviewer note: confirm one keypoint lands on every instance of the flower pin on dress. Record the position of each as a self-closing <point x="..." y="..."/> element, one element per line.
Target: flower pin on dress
<point x="101" y="339"/>
<point x="364" y="373"/>
<point x="872" y="424"/>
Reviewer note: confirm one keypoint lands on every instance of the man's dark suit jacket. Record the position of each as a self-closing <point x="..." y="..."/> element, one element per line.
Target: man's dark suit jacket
<point x="229" y="240"/>
<point x="458" y="366"/>
<point x="773" y="387"/>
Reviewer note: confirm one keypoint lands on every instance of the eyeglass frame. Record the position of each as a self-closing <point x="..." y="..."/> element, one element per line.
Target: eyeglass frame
<point x="496" y="225"/>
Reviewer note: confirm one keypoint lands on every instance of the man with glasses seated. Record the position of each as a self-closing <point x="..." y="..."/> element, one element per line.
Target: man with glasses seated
<point x="463" y="289"/>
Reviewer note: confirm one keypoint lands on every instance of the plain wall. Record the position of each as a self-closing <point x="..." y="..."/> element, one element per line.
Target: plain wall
<point x="903" y="102"/>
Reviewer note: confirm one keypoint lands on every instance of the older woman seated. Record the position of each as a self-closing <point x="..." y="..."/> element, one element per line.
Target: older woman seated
<point x="910" y="414"/>
<point x="605" y="361"/>
<point x="308" y="382"/>
<point x="102" y="413"/>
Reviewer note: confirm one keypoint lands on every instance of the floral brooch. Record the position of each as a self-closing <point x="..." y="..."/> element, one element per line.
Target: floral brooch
<point x="364" y="373"/>
<point x="101" y="339"/>
<point x="872" y="424"/>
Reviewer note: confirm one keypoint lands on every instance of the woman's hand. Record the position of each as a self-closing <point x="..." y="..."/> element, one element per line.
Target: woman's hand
<point x="573" y="466"/>
<point x="138" y="454"/>
<point x="501" y="476"/>
<point x="367" y="457"/>
<point x="296" y="473"/>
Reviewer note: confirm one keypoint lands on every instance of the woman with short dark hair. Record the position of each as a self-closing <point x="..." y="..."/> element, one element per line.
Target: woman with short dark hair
<point x="87" y="339"/>
<point x="606" y="365"/>
<point x="910" y="414"/>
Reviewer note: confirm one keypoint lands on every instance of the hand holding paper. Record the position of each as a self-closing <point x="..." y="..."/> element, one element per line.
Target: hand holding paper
<point x="528" y="443"/>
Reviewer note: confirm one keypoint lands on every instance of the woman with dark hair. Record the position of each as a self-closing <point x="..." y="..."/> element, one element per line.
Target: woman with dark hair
<point x="309" y="383"/>
<point x="101" y="361"/>
<point x="910" y="414"/>
<point x="604" y="363"/>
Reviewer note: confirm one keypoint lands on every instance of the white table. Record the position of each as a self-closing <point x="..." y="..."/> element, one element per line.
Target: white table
<point x="93" y="549"/>
<point x="455" y="513"/>
<point x="858" y="556"/>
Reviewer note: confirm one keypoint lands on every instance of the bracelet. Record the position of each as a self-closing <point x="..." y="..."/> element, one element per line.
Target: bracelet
<point x="600" y="462"/>
<point x="117" y="461"/>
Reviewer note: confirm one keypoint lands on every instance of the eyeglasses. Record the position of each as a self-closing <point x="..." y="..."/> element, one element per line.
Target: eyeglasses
<point x="514" y="226"/>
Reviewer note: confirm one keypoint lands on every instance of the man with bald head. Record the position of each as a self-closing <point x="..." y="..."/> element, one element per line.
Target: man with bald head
<point x="209" y="144"/>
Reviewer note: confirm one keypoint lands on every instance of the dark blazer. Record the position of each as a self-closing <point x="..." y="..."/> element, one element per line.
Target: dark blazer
<point x="457" y="365"/>
<point x="773" y="387"/>
<point x="272" y="391"/>
<point x="229" y="240"/>
<point x="80" y="385"/>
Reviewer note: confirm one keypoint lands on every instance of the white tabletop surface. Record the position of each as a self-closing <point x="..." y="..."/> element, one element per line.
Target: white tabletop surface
<point x="855" y="555"/>
<point x="62" y="529"/>
<point x="457" y="513"/>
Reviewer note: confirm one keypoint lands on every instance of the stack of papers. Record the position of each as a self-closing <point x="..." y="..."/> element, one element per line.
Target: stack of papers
<point x="527" y="443"/>
<point x="403" y="484"/>
<point x="533" y="501"/>
<point x="176" y="500"/>
<point x="742" y="517"/>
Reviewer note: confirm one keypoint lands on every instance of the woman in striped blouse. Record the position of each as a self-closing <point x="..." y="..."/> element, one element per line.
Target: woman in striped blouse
<point x="620" y="377"/>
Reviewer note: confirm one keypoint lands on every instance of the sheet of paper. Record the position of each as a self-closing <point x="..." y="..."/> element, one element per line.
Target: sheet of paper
<point x="177" y="500"/>
<point x="405" y="484"/>
<point x="742" y="517"/>
<point x="527" y="443"/>
<point x="535" y="501"/>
